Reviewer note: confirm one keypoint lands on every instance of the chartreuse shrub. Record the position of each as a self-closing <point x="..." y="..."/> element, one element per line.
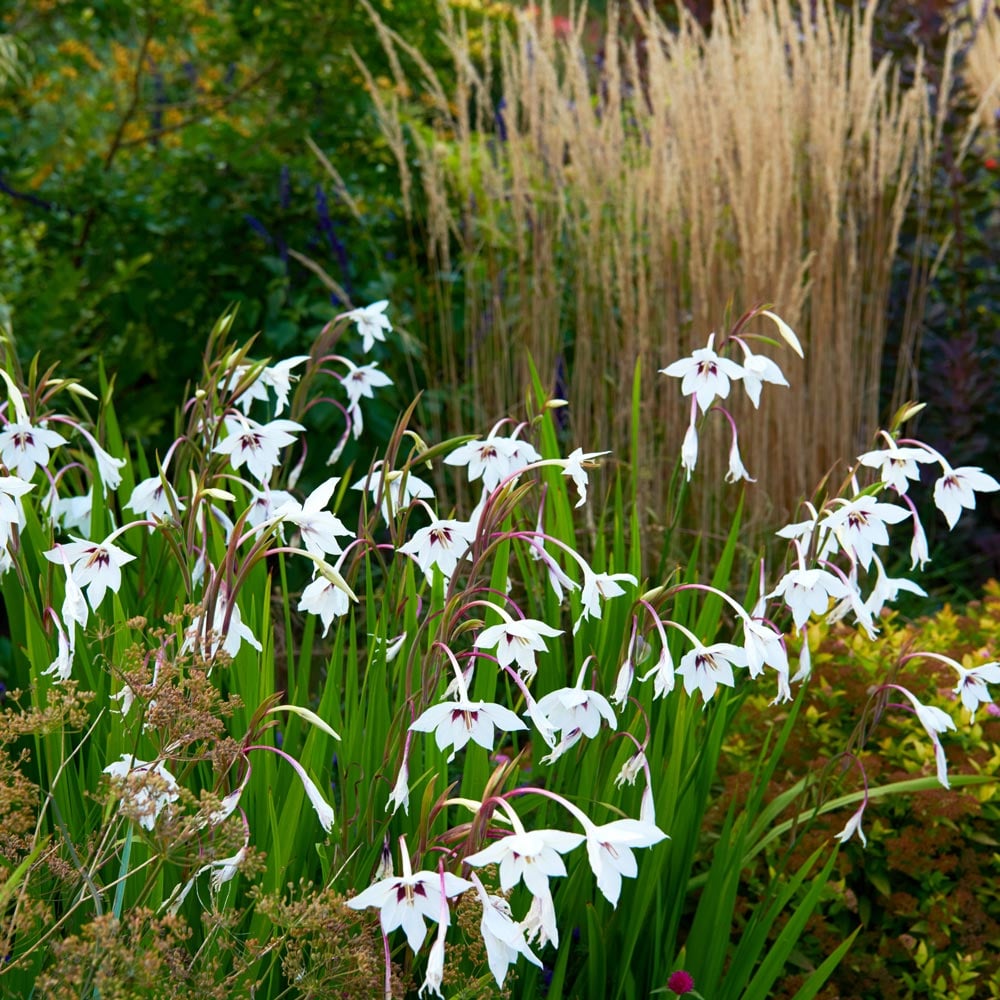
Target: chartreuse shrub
<point x="252" y="744"/>
<point x="922" y="892"/>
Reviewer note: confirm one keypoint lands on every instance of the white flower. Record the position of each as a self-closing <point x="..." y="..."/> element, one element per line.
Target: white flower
<point x="540" y="921"/>
<point x="808" y="592"/>
<point x="207" y="637"/>
<point x="957" y="488"/>
<point x="763" y="645"/>
<point x="517" y="642"/>
<point x="324" y="598"/>
<point x="12" y="488"/>
<point x="400" y="794"/>
<point x="860" y="524"/>
<point x="609" y="850"/>
<point x="442" y="543"/>
<point x="972" y="684"/>
<point x="887" y="589"/>
<point x="596" y="586"/>
<point x="919" y="553"/>
<point x="737" y="470"/>
<point x="318" y="527"/>
<point x="61" y="668"/>
<point x="631" y="769"/>
<point x="574" y="468"/>
<point x="225" y="869"/>
<point x="493" y="460"/>
<point x="372" y="323"/>
<point x="704" y="374"/>
<point x="704" y="668"/>
<point x="896" y="466"/>
<point x="95" y="565"/>
<point x="108" y="467"/>
<point x="71" y="512"/>
<point x="503" y="938"/>
<point x="150" y="499"/>
<point x="279" y="377"/>
<point x="758" y="369"/>
<point x="529" y="856"/>
<point x="454" y="723"/>
<point x="434" y="975"/>
<point x="576" y="712"/>
<point x="404" y="901"/>
<point x="663" y="673"/>
<point x="689" y="450"/>
<point x="396" y="489"/>
<point x="257" y="445"/>
<point x="264" y="505"/>
<point x="147" y="787"/>
<point x="935" y="721"/>
<point x="24" y="447"/>
<point x="853" y="827"/>
<point x="359" y="382"/>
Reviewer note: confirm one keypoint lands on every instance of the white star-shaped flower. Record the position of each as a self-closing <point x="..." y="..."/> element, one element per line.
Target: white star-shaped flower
<point x="517" y="642"/>
<point x="529" y="856"/>
<point x="705" y="374"/>
<point x="150" y="499"/>
<point x="406" y="900"/>
<point x="704" y="668"/>
<point x="758" y="369"/>
<point x="574" y="468"/>
<point x="493" y="460"/>
<point x="597" y="586"/>
<point x="860" y="525"/>
<point x="502" y="936"/>
<point x="396" y="489"/>
<point x="24" y="447"/>
<point x="808" y="592"/>
<point x="256" y="445"/>
<point x="324" y="598"/>
<point x="442" y="543"/>
<point x="147" y="786"/>
<point x="454" y="723"/>
<point x="359" y="383"/>
<point x="896" y="466"/>
<point x="609" y="850"/>
<point x="972" y="683"/>
<point x="957" y="489"/>
<point x="317" y="526"/>
<point x="372" y="323"/>
<point x="95" y="565"/>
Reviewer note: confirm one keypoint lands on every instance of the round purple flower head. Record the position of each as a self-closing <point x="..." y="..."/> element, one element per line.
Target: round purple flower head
<point x="680" y="982"/>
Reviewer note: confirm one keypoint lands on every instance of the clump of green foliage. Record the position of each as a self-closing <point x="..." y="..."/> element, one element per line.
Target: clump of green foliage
<point x="924" y="889"/>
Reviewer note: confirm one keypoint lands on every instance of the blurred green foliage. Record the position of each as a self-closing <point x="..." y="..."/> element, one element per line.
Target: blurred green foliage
<point x="925" y="889"/>
<point x="154" y="169"/>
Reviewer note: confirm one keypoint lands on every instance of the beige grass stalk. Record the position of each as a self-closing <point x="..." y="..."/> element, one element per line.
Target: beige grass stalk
<point x="982" y="61"/>
<point x="630" y="208"/>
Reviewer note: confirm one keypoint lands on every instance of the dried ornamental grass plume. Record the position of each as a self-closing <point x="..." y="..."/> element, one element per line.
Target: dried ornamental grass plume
<point x="749" y="236"/>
